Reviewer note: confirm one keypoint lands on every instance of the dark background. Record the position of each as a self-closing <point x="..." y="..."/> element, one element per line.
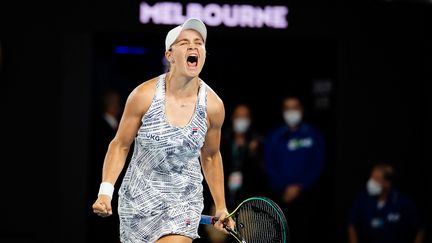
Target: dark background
<point x="57" y="56"/>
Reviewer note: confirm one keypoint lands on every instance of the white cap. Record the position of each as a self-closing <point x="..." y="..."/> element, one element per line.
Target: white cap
<point x="192" y="23"/>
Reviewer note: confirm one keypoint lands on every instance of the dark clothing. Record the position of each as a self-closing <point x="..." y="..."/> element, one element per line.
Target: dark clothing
<point x="297" y="157"/>
<point x="304" y="215"/>
<point x="248" y="161"/>
<point x="396" y="222"/>
<point x="294" y="157"/>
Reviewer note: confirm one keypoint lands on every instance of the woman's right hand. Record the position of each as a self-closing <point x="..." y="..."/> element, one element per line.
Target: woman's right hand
<point x="102" y="206"/>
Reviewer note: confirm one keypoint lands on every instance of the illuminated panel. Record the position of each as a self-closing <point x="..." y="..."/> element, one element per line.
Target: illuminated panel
<point x="246" y="16"/>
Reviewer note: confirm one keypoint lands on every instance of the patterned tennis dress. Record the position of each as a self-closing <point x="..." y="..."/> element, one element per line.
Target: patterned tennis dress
<point x="161" y="192"/>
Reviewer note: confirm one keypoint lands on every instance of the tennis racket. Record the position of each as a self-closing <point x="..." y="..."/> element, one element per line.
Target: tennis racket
<point x="258" y="220"/>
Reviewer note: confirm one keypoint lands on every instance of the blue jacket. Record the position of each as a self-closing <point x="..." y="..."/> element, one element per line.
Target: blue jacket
<point x="294" y="157"/>
<point x="396" y="222"/>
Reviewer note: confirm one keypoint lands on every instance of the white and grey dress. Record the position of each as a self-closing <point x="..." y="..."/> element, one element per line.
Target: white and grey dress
<point x="162" y="192"/>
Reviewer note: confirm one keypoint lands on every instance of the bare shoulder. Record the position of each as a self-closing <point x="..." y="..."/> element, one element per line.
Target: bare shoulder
<point x="215" y="108"/>
<point x="147" y="88"/>
<point x="141" y="97"/>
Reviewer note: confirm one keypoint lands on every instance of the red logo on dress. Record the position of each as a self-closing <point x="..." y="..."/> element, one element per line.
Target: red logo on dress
<point x="195" y="131"/>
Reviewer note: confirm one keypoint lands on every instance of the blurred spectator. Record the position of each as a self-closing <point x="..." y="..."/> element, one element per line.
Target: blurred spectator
<point x="104" y="129"/>
<point x="244" y="177"/>
<point x="381" y="214"/>
<point x="241" y="156"/>
<point x="294" y="161"/>
<point x="105" y="126"/>
<point x="111" y="110"/>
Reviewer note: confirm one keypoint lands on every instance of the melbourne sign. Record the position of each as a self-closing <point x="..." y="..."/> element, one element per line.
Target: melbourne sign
<point x="229" y="15"/>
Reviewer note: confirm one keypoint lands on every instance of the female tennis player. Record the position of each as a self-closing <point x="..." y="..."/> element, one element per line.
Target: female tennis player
<point x="175" y="119"/>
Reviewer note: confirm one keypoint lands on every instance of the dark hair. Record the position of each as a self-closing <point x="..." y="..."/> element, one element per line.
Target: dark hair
<point x="388" y="171"/>
<point x="294" y="97"/>
<point x="241" y="104"/>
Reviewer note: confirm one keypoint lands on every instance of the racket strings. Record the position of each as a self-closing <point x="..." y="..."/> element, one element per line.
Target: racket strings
<point x="258" y="221"/>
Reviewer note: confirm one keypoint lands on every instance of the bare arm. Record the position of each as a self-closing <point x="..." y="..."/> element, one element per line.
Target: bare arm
<point x="211" y="159"/>
<point x="352" y="234"/>
<point x="137" y="104"/>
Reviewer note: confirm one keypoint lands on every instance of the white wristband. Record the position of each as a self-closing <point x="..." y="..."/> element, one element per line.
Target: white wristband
<point x="106" y="188"/>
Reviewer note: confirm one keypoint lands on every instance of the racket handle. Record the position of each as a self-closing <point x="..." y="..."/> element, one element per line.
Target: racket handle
<point x="206" y="219"/>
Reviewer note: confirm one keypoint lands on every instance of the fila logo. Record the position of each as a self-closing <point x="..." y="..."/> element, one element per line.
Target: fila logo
<point x="195" y="131"/>
<point x="188" y="222"/>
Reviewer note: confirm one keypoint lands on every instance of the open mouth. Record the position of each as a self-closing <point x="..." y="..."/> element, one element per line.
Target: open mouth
<point x="192" y="61"/>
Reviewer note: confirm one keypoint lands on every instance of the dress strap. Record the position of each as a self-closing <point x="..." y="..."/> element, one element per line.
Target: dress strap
<point x="202" y="95"/>
<point x="160" y="87"/>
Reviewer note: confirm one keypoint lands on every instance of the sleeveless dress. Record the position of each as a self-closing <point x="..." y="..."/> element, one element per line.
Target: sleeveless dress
<point x="162" y="191"/>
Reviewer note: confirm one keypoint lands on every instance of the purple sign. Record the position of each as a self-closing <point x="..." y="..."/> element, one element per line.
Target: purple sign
<point x="236" y="15"/>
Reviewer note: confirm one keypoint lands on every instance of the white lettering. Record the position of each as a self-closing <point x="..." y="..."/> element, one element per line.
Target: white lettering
<point x="147" y="13"/>
<point x="171" y="13"/>
<point x="229" y="17"/>
<point x="164" y="13"/>
<point x="247" y="15"/>
<point x="194" y="10"/>
<point x="213" y="14"/>
<point x="279" y="20"/>
<point x="261" y="16"/>
<point x="177" y="14"/>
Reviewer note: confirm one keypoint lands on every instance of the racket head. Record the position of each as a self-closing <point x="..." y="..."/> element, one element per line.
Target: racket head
<point x="260" y="220"/>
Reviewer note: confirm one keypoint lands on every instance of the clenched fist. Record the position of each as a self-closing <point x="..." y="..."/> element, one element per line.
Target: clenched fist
<point x="102" y="206"/>
<point x="222" y="222"/>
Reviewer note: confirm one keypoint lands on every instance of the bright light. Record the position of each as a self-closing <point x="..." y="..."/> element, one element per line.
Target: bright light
<point x="247" y="16"/>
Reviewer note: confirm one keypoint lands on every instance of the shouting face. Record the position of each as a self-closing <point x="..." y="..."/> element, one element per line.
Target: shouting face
<point x="187" y="54"/>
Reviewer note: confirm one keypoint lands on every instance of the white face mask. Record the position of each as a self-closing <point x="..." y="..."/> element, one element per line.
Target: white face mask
<point x="292" y="118"/>
<point x="235" y="181"/>
<point x="373" y="187"/>
<point x="241" y="125"/>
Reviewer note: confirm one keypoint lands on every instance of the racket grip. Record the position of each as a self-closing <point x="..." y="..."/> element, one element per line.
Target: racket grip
<point x="206" y="219"/>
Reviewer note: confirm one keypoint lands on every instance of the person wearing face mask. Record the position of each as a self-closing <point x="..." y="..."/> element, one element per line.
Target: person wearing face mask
<point x="381" y="214"/>
<point x="240" y="150"/>
<point x="294" y="157"/>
